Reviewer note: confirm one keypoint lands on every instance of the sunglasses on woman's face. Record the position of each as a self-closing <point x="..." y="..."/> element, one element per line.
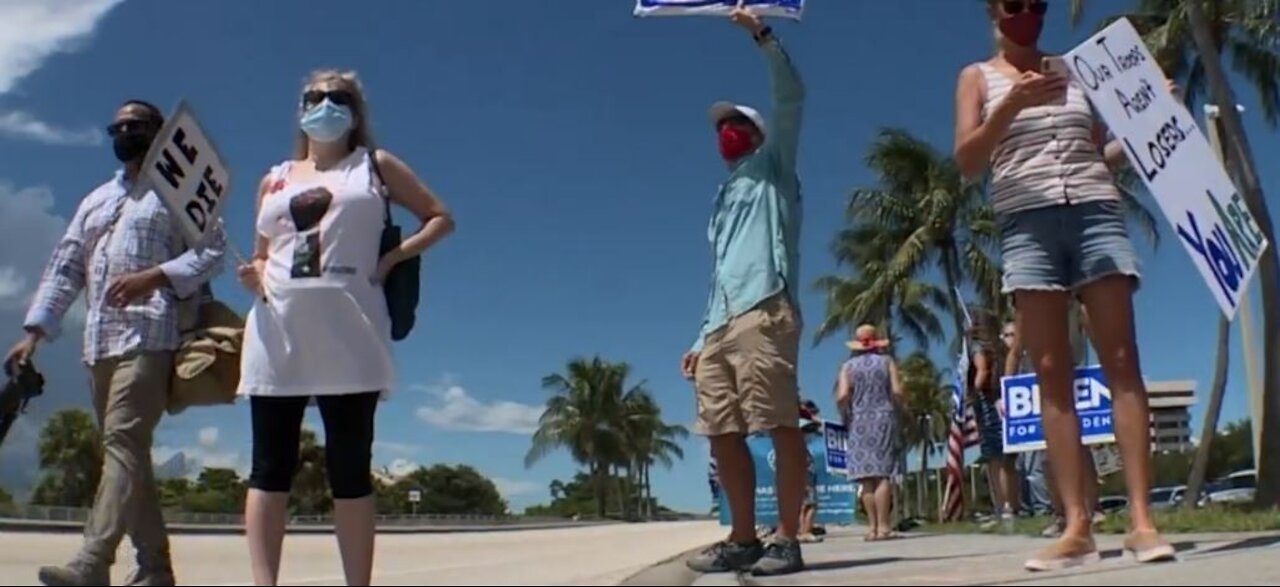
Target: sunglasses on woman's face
<point x="1012" y="7"/>
<point x="338" y="97"/>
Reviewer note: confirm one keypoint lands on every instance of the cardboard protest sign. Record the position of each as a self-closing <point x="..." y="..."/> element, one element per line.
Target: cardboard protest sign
<point x="187" y="172"/>
<point x="1173" y="157"/>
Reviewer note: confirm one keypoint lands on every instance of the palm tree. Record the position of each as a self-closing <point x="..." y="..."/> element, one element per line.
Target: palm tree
<point x="649" y="440"/>
<point x="71" y="455"/>
<point x="1187" y="39"/>
<point x="925" y="207"/>
<point x="585" y="416"/>
<point x="1248" y="30"/>
<point x="912" y="307"/>
<point x="928" y="412"/>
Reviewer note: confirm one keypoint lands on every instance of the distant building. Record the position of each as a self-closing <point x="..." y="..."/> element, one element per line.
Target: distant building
<point x="1171" y="403"/>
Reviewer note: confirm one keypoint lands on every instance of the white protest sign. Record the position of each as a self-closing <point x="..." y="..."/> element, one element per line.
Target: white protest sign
<point x="1174" y="158"/>
<point x="792" y="9"/>
<point x="188" y="174"/>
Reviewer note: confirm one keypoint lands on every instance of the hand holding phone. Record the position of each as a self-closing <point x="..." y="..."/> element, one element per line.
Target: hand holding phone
<point x="1054" y="66"/>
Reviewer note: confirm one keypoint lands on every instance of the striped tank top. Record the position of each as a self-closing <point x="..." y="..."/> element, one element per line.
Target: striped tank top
<point x="1049" y="156"/>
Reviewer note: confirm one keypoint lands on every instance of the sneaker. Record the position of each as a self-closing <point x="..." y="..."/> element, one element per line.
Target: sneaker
<point x="781" y="557"/>
<point x="151" y="577"/>
<point x="75" y="574"/>
<point x="1065" y="554"/>
<point x="1149" y="547"/>
<point x="726" y="557"/>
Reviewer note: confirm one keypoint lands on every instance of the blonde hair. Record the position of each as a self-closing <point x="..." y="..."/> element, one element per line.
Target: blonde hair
<point x="361" y="134"/>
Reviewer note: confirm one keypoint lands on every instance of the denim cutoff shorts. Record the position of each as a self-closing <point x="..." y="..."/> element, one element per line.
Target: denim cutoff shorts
<point x="1066" y="247"/>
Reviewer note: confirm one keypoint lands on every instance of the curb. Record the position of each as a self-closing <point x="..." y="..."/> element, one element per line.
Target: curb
<point x="31" y="527"/>
<point x="667" y="572"/>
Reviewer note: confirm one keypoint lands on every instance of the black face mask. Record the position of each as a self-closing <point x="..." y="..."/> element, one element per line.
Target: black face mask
<point x="130" y="147"/>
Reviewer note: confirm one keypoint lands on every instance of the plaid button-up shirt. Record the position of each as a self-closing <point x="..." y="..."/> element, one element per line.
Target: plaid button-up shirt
<point x="95" y="250"/>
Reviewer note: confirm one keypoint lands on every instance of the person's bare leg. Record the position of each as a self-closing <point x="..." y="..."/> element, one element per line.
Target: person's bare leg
<point x="1109" y="303"/>
<point x="1008" y="479"/>
<point x="353" y="519"/>
<point x="792" y="466"/>
<point x="265" y="516"/>
<point x="1042" y="317"/>
<point x="884" y="506"/>
<point x="1090" y="479"/>
<point x="867" y="493"/>
<point x="738" y="482"/>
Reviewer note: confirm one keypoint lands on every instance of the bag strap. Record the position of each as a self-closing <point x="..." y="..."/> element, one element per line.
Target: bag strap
<point x="385" y="192"/>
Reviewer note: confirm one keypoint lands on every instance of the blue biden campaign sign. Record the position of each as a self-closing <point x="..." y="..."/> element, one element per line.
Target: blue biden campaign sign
<point x="1023" y="422"/>
<point x="784" y="8"/>
<point x="835" y="493"/>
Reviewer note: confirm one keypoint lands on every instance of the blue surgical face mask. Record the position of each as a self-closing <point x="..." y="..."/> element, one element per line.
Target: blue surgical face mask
<point x="326" y="122"/>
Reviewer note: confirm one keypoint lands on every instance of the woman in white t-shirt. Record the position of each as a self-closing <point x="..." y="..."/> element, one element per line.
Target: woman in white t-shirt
<point x="320" y="328"/>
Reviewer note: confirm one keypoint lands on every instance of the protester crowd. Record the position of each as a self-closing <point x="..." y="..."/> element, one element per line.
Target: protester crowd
<point x="320" y="331"/>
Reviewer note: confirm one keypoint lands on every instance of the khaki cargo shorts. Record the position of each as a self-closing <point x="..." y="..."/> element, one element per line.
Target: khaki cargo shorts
<point x="746" y="375"/>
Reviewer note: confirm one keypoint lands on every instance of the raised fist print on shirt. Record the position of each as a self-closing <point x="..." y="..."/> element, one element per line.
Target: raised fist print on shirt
<point x="308" y="209"/>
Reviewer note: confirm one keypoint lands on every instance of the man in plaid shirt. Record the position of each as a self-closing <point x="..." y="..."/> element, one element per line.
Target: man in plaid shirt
<point x="123" y="250"/>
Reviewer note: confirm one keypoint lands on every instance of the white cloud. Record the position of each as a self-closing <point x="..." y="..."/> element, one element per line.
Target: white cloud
<point x="397" y="448"/>
<point x="206" y="454"/>
<point x="28" y="231"/>
<point x="22" y="125"/>
<point x="401" y="467"/>
<point x="32" y="31"/>
<point x="12" y="286"/>
<point x="509" y="488"/>
<point x="199" y="458"/>
<point x="456" y="409"/>
<point x="209" y="437"/>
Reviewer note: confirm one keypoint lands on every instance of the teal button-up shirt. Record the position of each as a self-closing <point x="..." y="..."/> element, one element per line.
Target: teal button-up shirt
<point x="755" y="223"/>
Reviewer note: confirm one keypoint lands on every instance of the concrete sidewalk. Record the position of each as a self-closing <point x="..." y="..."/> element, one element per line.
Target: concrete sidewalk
<point x="844" y="559"/>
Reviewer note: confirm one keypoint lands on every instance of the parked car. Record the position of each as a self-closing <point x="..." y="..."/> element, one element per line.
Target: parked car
<point x="1238" y="487"/>
<point x="1113" y="503"/>
<point x="1167" y="497"/>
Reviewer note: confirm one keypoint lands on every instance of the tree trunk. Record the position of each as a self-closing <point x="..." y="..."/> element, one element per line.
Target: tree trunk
<point x="1268" y="492"/>
<point x="922" y="479"/>
<point x="1201" y="465"/>
<point x="648" y="494"/>
<point x="598" y="479"/>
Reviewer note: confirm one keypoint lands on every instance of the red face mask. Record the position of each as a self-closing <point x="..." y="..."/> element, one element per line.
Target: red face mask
<point x="735" y="142"/>
<point x="1023" y="28"/>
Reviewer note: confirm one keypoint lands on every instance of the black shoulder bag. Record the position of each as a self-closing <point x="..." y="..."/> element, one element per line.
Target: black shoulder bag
<point x="402" y="285"/>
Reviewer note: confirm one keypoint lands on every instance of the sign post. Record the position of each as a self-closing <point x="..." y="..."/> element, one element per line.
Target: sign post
<point x="1173" y="157"/>
<point x="1023" y="421"/>
<point x="792" y="9"/>
<point x="415" y="497"/>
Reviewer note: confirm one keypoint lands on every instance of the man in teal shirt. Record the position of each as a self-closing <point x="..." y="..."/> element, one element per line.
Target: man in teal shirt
<point x="744" y="360"/>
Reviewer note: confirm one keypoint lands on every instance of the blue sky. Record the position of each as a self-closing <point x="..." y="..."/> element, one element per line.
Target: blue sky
<point x="571" y="141"/>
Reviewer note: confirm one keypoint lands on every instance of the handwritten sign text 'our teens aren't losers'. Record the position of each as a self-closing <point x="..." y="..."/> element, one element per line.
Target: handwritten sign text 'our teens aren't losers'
<point x="1174" y="159"/>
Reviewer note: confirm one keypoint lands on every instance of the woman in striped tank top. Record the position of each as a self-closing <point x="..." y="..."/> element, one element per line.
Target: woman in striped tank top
<point x="1063" y="234"/>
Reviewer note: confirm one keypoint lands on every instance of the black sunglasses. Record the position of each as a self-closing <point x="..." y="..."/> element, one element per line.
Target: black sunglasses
<point x="1012" y="7"/>
<point x="131" y="126"/>
<point x="339" y="97"/>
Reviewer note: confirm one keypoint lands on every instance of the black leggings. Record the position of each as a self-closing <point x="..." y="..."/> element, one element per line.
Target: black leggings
<point x="348" y="447"/>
